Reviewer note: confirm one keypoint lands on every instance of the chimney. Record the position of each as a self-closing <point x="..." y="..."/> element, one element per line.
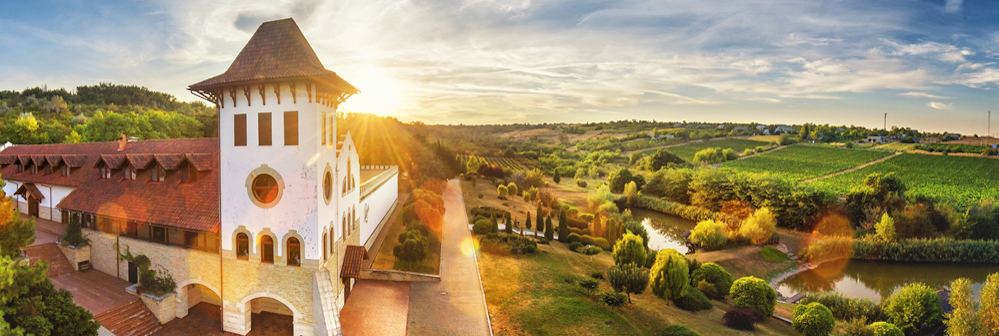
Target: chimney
<point x="122" y="141"/>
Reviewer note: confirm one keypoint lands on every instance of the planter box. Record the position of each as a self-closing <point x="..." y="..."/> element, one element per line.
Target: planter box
<point x="163" y="307"/>
<point x="76" y="255"/>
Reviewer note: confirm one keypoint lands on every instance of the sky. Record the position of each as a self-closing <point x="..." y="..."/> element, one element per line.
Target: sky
<point x="930" y="65"/>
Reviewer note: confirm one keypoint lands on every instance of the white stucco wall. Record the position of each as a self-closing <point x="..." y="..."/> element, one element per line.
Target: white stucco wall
<point x="300" y="167"/>
<point x="53" y="195"/>
<point x="377" y="205"/>
<point x="351" y="200"/>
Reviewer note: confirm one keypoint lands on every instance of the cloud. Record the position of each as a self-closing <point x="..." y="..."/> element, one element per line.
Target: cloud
<point x="940" y="106"/>
<point x="952" y="6"/>
<point x="923" y="95"/>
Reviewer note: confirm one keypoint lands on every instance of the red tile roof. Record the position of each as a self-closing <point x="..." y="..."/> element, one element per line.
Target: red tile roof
<point x="353" y="258"/>
<point x="277" y="50"/>
<point x="191" y="206"/>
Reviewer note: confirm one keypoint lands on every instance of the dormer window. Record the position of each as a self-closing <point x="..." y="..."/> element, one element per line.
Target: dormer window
<point x="105" y="172"/>
<point x="189" y="174"/>
<point x="158" y="174"/>
<point x="130" y="173"/>
<point x="65" y="170"/>
<point x="20" y="168"/>
<point x="34" y="169"/>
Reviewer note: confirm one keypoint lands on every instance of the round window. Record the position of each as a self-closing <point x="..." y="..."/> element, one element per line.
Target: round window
<point x="265" y="188"/>
<point x="328" y="186"/>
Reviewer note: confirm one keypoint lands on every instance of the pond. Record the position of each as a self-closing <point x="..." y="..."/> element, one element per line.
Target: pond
<point x="665" y="231"/>
<point x="878" y="279"/>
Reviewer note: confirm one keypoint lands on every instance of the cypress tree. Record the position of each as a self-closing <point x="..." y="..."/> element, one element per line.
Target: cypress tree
<point x="540" y="220"/>
<point x="563" y="227"/>
<point x="527" y="224"/>
<point x="557" y="178"/>
<point x="495" y="223"/>
<point x="549" y="229"/>
<point x="509" y="224"/>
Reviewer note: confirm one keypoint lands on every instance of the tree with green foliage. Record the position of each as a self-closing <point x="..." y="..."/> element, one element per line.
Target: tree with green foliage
<point x="563" y="227"/>
<point x="635" y="157"/>
<point x="619" y="178"/>
<point x="885" y="228"/>
<point x="709" y="234"/>
<point x="990" y="302"/>
<point x="884" y="329"/>
<point x="512" y="189"/>
<point x="413" y="248"/>
<point x="813" y="319"/>
<point x="527" y="224"/>
<point x="31" y="305"/>
<point x="715" y="275"/>
<point x="631" y="192"/>
<point x="759" y="227"/>
<point x="669" y="276"/>
<point x="15" y="233"/>
<point x="755" y="294"/>
<point x="502" y="191"/>
<point x="629" y="250"/>
<point x="660" y="159"/>
<point x="637" y="229"/>
<point x="495" y="224"/>
<point x="628" y="278"/>
<point x="549" y="229"/>
<point x="915" y="308"/>
<point x="540" y="220"/>
<point x="556" y="177"/>
<point x="964" y="319"/>
<point x="508" y="228"/>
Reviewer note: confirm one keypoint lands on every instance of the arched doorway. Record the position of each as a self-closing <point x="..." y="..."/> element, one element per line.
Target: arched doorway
<point x="199" y="301"/>
<point x="267" y="314"/>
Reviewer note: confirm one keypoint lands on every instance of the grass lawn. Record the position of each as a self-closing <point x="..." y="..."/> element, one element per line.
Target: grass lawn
<point x="385" y="260"/>
<point x="538" y="295"/>
<point x="745" y="261"/>
<point x="799" y="162"/>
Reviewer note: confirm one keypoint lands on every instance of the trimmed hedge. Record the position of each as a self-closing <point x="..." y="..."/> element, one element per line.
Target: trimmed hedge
<point x="910" y="250"/>
<point x="693" y="300"/>
<point x="677" y="330"/>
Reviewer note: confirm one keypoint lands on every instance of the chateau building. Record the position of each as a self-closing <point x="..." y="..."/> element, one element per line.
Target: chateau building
<point x="274" y="215"/>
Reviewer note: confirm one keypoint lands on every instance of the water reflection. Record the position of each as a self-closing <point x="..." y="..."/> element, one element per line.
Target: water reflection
<point x="876" y="280"/>
<point x="665" y="231"/>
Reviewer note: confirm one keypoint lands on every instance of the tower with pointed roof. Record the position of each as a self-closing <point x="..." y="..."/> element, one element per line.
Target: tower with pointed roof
<point x="290" y="187"/>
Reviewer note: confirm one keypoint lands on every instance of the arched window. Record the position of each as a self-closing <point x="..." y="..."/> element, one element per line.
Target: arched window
<point x="325" y="248"/>
<point x="267" y="249"/>
<point x="328" y="186"/>
<point x="343" y="222"/>
<point x="332" y="237"/>
<point x="294" y="252"/>
<point x="350" y="177"/>
<point x="242" y="246"/>
<point x="344" y="191"/>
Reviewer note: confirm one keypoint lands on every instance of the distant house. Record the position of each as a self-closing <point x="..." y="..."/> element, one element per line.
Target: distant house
<point x="742" y="128"/>
<point x="720" y="127"/>
<point x="954" y="136"/>
<point x="781" y="129"/>
<point x="663" y="136"/>
<point x="877" y="139"/>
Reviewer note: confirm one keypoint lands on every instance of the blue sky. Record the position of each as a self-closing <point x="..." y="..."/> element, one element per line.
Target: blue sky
<point x="930" y="65"/>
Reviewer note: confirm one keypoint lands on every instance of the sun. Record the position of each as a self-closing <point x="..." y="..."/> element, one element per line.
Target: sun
<point x="380" y="93"/>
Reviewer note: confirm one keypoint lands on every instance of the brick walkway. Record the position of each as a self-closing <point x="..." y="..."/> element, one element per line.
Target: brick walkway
<point x="46" y="231"/>
<point x="96" y="291"/>
<point x="456" y="305"/>
<point x="376" y="308"/>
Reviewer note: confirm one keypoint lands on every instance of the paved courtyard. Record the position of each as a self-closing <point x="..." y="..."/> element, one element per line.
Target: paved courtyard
<point x="204" y="319"/>
<point x="96" y="291"/>
<point x="456" y="304"/>
<point x="376" y="308"/>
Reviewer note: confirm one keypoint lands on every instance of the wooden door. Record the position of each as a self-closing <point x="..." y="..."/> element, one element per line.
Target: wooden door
<point x="346" y="288"/>
<point x="133" y="273"/>
<point x="32" y="206"/>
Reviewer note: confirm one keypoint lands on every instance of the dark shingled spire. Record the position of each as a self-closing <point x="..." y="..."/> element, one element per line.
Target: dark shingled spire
<point x="277" y="50"/>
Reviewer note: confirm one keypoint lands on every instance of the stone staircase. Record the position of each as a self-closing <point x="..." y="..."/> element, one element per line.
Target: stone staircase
<point x="58" y="264"/>
<point x="132" y="319"/>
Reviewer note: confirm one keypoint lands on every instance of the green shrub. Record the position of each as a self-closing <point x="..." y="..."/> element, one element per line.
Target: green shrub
<point x="740" y="319"/>
<point x="629" y="279"/>
<point x="759" y="227"/>
<point x="709" y="234"/>
<point x="856" y="328"/>
<point x="773" y="255"/>
<point x="677" y="330"/>
<point x="597" y="275"/>
<point x="590" y="250"/>
<point x="575" y="238"/>
<point x="755" y="294"/>
<point x="669" y="275"/>
<point x="612" y="299"/>
<point x="813" y="319"/>
<point x="829" y="248"/>
<point x="74" y="235"/>
<point x="575" y="246"/>
<point x="602" y="243"/>
<point x="650" y="258"/>
<point x="719" y="279"/>
<point x="589" y="285"/>
<point x="504" y="244"/>
<point x="915" y="308"/>
<point x="845" y="308"/>
<point x="482" y="226"/>
<point x="629" y="250"/>
<point x="693" y="300"/>
<point x="708" y="289"/>
<point x="885" y="329"/>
